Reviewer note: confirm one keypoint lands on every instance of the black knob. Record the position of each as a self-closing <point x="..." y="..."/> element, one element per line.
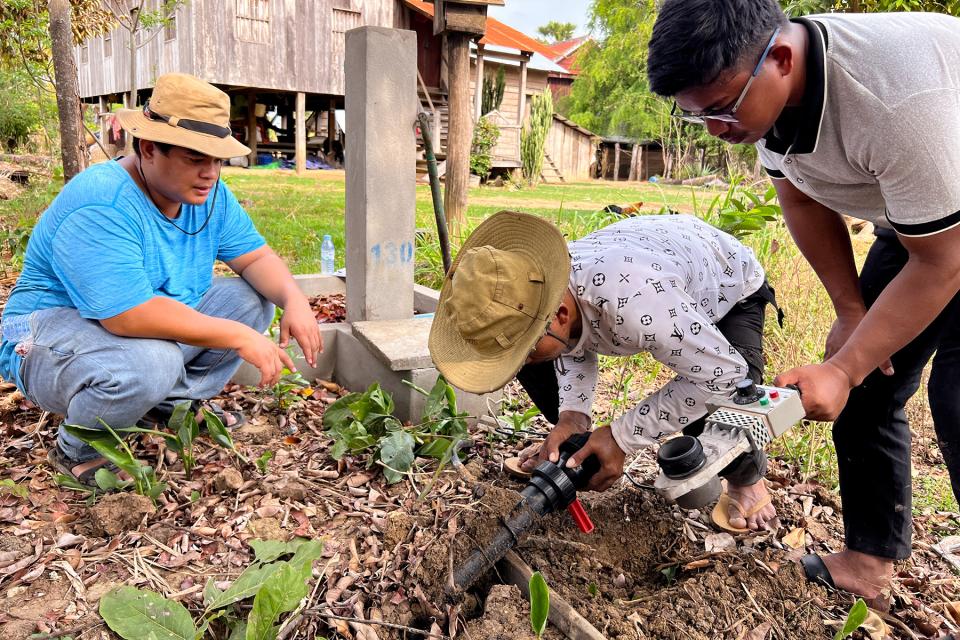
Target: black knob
<point x="746" y="388"/>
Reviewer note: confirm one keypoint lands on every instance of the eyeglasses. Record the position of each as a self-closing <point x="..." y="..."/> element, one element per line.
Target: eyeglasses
<point x="726" y="114"/>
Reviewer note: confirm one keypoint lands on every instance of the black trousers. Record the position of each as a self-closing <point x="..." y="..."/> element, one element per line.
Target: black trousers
<point x="742" y="327"/>
<point x="872" y="436"/>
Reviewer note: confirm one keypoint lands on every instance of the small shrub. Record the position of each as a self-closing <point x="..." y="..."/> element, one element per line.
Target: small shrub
<point x="485" y="136"/>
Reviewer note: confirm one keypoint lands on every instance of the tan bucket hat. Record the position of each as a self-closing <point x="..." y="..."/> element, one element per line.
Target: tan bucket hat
<point x="500" y="296"/>
<point x="187" y="112"/>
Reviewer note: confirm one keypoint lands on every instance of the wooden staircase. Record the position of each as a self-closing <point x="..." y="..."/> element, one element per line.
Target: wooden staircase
<point x="439" y="100"/>
<point x="549" y="173"/>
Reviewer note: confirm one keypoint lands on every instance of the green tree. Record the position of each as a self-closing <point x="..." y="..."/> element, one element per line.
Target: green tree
<point x="555" y="31"/>
<point x="804" y="7"/>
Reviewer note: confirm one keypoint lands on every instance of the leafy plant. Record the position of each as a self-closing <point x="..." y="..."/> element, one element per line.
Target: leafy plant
<point x="493" y="88"/>
<point x="276" y="586"/>
<point x="183" y="431"/>
<point x="9" y="486"/>
<point x="364" y="423"/>
<point x="539" y="603"/>
<point x="485" y="136"/>
<point x="289" y="389"/>
<point x="856" y="617"/>
<point x="263" y="460"/>
<point x="220" y="434"/>
<point x="115" y="449"/>
<point x="520" y="421"/>
<point x="533" y="139"/>
<point x="13" y="243"/>
<point x="740" y="211"/>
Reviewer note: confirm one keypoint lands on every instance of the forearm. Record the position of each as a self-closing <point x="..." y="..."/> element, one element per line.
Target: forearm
<point x="824" y="241"/>
<point x="924" y="288"/>
<point x="167" y="319"/>
<point x="269" y="276"/>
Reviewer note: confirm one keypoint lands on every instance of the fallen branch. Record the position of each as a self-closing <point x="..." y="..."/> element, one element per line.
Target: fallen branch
<point x="323" y="613"/>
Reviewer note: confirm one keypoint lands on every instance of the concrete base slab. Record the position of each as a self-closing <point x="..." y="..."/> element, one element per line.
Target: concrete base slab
<point x="400" y="344"/>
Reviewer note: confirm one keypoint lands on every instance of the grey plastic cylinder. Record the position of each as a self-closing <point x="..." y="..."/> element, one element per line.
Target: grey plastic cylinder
<point x="702" y="495"/>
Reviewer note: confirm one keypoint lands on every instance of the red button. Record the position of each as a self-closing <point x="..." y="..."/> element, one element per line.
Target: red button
<point x="774" y="394"/>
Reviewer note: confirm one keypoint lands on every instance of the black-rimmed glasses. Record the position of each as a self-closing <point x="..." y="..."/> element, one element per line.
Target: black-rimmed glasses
<point x="727" y="114"/>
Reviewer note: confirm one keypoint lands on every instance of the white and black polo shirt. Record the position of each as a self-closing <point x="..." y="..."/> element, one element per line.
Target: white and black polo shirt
<point x="657" y="284"/>
<point x="877" y="136"/>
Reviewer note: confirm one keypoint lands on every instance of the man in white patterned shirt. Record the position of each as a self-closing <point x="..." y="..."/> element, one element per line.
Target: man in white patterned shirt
<point x="687" y="293"/>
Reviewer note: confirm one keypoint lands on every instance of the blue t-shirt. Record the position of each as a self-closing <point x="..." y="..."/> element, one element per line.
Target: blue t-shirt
<point x="102" y="247"/>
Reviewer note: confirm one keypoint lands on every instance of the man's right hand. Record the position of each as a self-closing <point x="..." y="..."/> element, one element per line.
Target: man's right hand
<point x="265" y="355"/>
<point x="569" y="424"/>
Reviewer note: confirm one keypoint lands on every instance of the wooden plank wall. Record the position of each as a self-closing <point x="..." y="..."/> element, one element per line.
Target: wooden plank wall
<point x="285" y="45"/>
<point x="571" y="150"/>
<point x="508" y="145"/>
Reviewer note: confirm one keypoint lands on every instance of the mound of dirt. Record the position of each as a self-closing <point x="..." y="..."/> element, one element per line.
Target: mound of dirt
<point x="118" y="513"/>
<point x="506" y="616"/>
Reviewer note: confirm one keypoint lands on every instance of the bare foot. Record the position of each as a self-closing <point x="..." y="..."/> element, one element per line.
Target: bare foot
<point x="860" y="573"/>
<point x="749" y="497"/>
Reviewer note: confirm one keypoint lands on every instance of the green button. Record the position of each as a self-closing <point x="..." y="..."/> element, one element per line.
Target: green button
<point x="764" y="401"/>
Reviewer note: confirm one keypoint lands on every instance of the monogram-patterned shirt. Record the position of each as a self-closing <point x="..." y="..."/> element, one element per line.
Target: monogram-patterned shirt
<point x="657" y="284"/>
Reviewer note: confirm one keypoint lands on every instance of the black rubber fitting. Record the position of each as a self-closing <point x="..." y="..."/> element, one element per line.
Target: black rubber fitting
<point x="680" y="457"/>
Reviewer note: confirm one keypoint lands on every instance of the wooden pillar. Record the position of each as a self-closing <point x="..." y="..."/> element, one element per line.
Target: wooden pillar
<point x="332" y="122"/>
<point x="632" y="176"/>
<point x="300" y="132"/>
<point x="460" y="132"/>
<point x="102" y="111"/>
<point x="478" y="90"/>
<point x="522" y="104"/>
<point x="616" y="162"/>
<point x="639" y="162"/>
<point x="604" y="162"/>
<point x="252" y="126"/>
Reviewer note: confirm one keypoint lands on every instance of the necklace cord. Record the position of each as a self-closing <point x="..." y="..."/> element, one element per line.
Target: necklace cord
<point x="213" y="204"/>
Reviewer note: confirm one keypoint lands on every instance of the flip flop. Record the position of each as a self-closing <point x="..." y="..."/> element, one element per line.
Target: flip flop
<point x="721" y="517"/>
<point x="158" y="418"/>
<point x="512" y="465"/>
<point x="816" y="571"/>
<point x="59" y="461"/>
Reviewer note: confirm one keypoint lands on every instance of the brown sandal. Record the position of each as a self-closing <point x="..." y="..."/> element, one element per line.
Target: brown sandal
<point x="83" y="472"/>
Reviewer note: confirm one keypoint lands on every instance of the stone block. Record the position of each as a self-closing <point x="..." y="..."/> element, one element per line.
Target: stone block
<point x="399" y="344"/>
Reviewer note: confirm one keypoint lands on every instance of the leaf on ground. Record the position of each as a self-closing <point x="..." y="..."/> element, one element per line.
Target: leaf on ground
<point x="758" y="633"/>
<point x="245" y="586"/>
<point x="281" y="592"/>
<point x="12" y="487"/>
<point x="133" y="614"/>
<point x="270" y="550"/>
<point x="875" y="627"/>
<point x="953" y="608"/>
<point x="796" y="539"/>
<point x="396" y="453"/>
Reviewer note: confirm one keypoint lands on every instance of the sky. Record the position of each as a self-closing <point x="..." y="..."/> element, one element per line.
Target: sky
<point x="527" y="15"/>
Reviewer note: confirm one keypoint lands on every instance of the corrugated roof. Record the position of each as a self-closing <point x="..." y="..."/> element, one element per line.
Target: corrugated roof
<point x="498" y="34"/>
<point x="564" y="48"/>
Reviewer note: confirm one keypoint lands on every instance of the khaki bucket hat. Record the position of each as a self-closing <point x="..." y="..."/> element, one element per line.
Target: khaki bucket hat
<point x="186" y="112"/>
<point x="500" y="296"/>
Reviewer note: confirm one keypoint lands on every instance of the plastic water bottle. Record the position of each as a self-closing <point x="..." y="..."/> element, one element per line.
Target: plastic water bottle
<point x="327" y="254"/>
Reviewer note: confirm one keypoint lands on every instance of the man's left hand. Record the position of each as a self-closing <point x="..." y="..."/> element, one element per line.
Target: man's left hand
<point x="611" y="456"/>
<point x="824" y="389"/>
<point x="299" y="322"/>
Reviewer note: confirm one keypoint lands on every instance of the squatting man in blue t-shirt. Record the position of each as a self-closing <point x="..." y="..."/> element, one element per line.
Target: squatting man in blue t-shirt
<point x="116" y="315"/>
<point x="856" y="114"/>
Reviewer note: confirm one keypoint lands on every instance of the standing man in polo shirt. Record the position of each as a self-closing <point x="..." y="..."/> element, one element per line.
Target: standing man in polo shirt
<point x="117" y="313"/>
<point x="859" y="115"/>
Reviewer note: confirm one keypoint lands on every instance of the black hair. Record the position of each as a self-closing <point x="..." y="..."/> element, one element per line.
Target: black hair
<point x="163" y="147"/>
<point x="695" y="41"/>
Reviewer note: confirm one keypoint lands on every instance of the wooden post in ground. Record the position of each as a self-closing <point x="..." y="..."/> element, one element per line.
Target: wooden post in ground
<point x="72" y="147"/>
<point x="459" y="132"/>
<point x="252" y="126"/>
<point x="300" y="133"/>
<point x="604" y="162"/>
<point x="332" y="123"/>
<point x="478" y="90"/>
<point x="634" y="153"/>
<point x="616" y="162"/>
<point x="103" y="108"/>
<point x="640" y="162"/>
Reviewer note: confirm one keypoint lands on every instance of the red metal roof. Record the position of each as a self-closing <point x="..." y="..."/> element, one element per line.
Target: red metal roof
<point x="498" y="34"/>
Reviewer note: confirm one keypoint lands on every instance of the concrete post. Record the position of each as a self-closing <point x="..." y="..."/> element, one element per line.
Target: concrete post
<point x="381" y="102"/>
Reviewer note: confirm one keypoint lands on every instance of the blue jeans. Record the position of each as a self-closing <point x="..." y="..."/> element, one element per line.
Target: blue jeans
<point x="78" y="369"/>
